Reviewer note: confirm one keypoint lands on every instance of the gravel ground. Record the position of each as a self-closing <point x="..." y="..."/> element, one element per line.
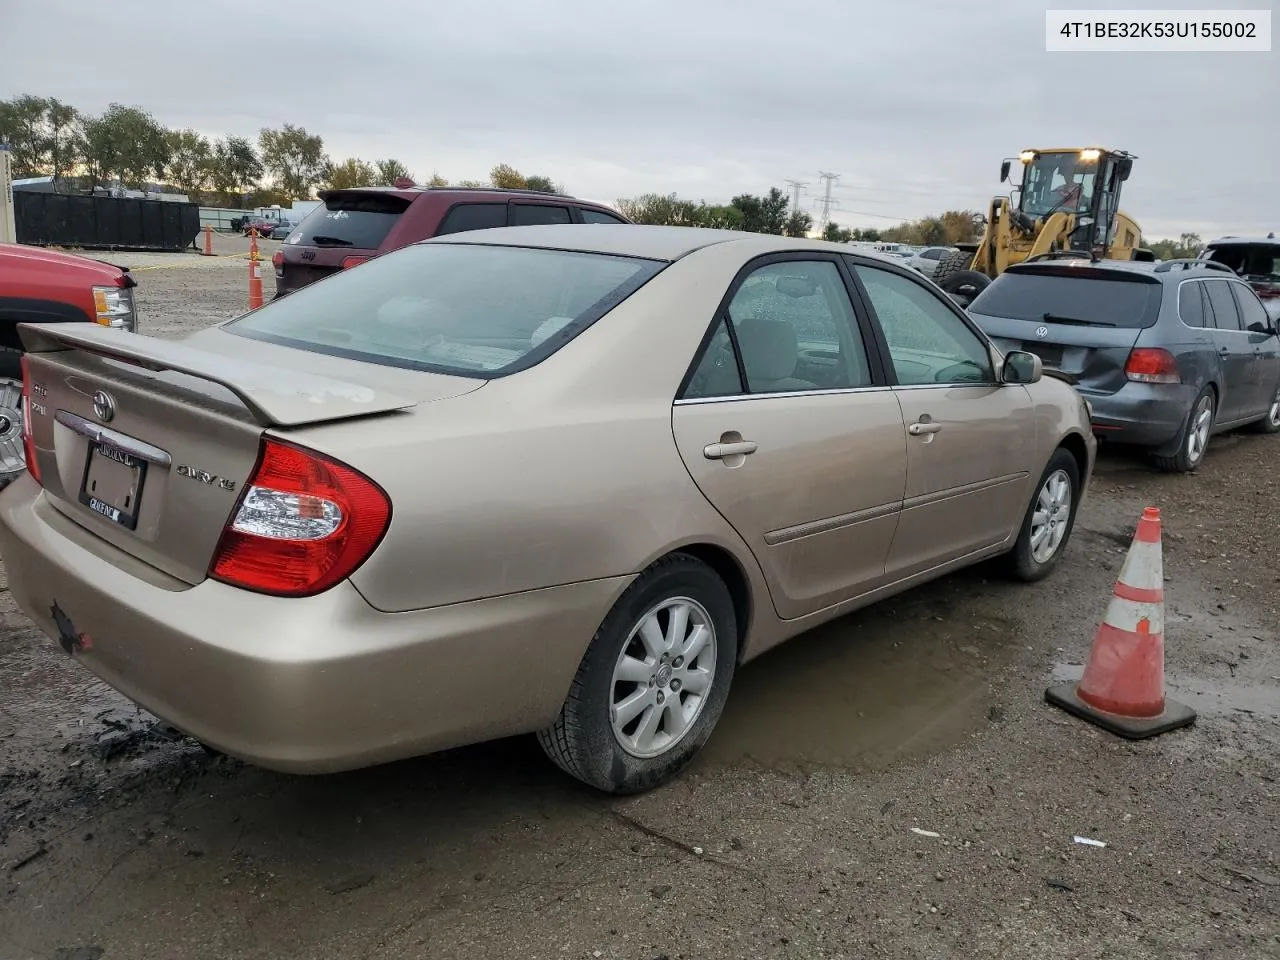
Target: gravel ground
<point x="792" y="837"/>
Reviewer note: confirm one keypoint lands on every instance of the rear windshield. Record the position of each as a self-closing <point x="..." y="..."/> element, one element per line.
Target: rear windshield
<point x="359" y="221"/>
<point x="1256" y="261"/>
<point x="1110" y="303"/>
<point x="462" y="309"/>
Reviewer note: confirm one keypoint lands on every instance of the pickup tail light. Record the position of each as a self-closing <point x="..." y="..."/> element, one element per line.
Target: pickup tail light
<point x="349" y="262"/>
<point x="28" y="438"/>
<point x="1152" y="365"/>
<point x="304" y="523"/>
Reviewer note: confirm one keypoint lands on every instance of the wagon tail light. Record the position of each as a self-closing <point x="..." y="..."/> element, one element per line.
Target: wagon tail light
<point x="28" y="438"/>
<point x="1152" y="365"/>
<point x="303" y="524"/>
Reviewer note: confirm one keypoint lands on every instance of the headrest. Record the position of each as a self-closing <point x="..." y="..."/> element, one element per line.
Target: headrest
<point x="770" y="349"/>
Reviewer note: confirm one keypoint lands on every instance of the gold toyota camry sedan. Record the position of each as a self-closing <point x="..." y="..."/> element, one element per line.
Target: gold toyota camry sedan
<point x="559" y="480"/>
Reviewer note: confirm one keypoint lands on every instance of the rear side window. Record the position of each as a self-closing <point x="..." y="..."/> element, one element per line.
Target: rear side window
<point x="1225" y="314"/>
<point x="534" y="214"/>
<point x="358" y="220"/>
<point x="457" y="308"/>
<point x="473" y="216"/>
<point x="1119" y="302"/>
<point x="1191" y="305"/>
<point x="598" y="216"/>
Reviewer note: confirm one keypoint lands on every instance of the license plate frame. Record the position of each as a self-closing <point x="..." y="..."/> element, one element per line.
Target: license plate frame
<point x="115" y="460"/>
<point x="1050" y="354"/>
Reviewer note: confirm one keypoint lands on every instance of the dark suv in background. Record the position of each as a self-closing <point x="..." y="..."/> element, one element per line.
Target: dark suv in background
<point x="354" y="225"/>
<point x="1167" y="354"/>
<point x="1256" y="261"/>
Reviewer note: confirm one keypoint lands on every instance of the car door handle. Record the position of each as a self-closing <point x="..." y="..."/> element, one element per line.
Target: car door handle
<point x="718" y="451"/>
<point x="1224" y="351"/>
<point x="917" y="429"/>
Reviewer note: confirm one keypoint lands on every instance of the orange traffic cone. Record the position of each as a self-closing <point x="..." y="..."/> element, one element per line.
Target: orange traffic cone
<point x="1122" y="689"/>
<point x="255" y="283"/>
<point x="208" y="240"/>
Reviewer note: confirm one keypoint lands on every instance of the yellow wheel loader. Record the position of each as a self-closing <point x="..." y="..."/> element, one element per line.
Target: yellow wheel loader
<point x="1067" y="205"/>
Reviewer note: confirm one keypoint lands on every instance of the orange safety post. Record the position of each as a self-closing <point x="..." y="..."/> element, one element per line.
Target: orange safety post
<point x="255" y="272"/>
<point x="208" y="240"/>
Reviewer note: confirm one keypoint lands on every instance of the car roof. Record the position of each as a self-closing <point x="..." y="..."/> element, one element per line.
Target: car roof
<point x="1165" y="270"/>
<point x="1271" y="240"/>
<point x="410" y="193"/>
<point x="636" y="240"/>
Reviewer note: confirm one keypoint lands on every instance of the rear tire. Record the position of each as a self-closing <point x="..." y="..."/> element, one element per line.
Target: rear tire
<point x="951" y="263"/>
<point x="1193" y="438"/>
<point x="647" y="635"/>
<point x="1049" y="520"/>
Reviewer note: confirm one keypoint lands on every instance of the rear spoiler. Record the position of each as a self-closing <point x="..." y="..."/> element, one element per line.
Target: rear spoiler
<point x="273" y="396"/>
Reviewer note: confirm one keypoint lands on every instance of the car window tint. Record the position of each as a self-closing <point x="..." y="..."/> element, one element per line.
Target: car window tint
<point x="927" y="342"/>
<point x="598" y="216"/>
<point x="473" y="216"/>
<point x="932" y="255"/>
<point x="1225" y="314"/>
<point x="359" y="221"/>
<point x="716" y="374"/>
<point x="1114" y="298"/>
<point x="533" y="214"/>
<point x="465" y="309"/>
<point x="795" y="329"/>
<point x="1252" y="312"/>
<point x="1191" y="304"/>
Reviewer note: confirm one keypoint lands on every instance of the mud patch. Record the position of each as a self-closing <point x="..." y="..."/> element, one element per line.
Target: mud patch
<point x="867" y="690"/>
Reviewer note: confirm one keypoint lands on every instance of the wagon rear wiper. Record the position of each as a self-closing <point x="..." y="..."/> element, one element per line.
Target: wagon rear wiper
<point x="1055" y="318"/>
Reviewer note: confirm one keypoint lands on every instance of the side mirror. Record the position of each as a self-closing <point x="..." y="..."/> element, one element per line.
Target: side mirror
<point x="1004" y="170"/>
<point x="1021" y="367"/>
<point x="1124" y="166"/>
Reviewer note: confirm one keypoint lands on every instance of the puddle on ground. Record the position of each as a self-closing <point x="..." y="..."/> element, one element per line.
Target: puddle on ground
<point x="1204" y="695"/>
<point x="865" y="690"/>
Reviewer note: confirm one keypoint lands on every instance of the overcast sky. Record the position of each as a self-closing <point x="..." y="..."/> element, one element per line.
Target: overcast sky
<point x="914" y="103"/>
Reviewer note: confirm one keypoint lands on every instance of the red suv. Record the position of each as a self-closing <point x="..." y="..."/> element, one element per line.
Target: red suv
<point x="354" y="225"/>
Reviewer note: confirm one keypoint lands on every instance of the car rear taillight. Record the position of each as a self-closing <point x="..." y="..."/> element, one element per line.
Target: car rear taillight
<point x="277" y="259"/>
<point x="304" y="523"/>
<point x="1152" y="365"/>
<point x="349" y="262"/>
<point x="28" y="438"/>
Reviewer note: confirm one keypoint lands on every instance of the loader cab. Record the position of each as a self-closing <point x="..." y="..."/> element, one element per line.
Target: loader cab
<point x="1084" y="184"/>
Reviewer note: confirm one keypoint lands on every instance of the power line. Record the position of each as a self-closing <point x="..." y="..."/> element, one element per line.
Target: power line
<point x="796" y="187"/>
<point x="830" y="178"/>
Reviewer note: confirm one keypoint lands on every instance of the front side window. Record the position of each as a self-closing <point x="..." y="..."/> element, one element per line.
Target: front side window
<point x="1252" y="313"/>
<point x="456" y="308"/>
<point x="928" y="343"/>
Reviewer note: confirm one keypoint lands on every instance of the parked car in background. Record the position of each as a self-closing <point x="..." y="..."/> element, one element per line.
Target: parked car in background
<point x="282" y="230"/>
<point x="926" y="261"/>
<point x="45" y="286"/>
<point x="352" y="226"/>
<point x="1257" y="261"/>
<point x="1167" y="354"/>
<point x="589" y="440"/>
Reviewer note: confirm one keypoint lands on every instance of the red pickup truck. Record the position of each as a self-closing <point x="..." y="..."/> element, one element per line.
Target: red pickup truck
<point x="45" y="286"/>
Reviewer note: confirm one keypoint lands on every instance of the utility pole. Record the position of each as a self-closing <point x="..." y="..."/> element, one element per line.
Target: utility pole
<point x="830" y="178"/>
<point x="796" y="187"/>
<point x="8" y="233"/>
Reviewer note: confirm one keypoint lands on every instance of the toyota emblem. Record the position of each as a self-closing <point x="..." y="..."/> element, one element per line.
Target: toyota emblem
<point x="104" y="408"/>
<point x="1042" y="332"/>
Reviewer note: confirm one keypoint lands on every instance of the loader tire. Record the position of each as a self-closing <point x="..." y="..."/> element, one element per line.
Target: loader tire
<point x="963" y="286"/>
<point x="951" y="263"/>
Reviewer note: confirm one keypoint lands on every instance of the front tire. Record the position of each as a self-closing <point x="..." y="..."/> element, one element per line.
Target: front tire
<point x="1271" y="422"/>
<point x="951" y="263"/>
<point x="964" y="286"/>
<point x="653" y="682"/>
<point x="1193" y="438"/>
<point x="1049" y="520"/>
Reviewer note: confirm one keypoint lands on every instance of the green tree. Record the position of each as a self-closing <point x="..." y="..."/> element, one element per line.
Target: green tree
<point x="126" y="144"/>
<point x="437" y="180"/>
<point x="767" y="214"/>
<point x="22" y="127"/>
<point x="665" y="210"/>
<point x="352" y="172"/>
<point x="473" y="184"/>
<point x="835" y="233"/>
<point x="507" y="177"/>
<point x="235" y="166"/>
<point x="63" y="143"/>
<point x="190" y="161"/>
<point x="543" y="185"/>
<point x="798" y="224"/>
<point x="390" y="170"/>
<point x="294" y="157"/>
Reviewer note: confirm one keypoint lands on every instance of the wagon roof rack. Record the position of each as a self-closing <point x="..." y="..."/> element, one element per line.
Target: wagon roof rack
<point x="1192" y="264"/>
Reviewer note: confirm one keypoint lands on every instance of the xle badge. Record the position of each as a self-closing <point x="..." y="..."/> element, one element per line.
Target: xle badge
<point x="71" y="641"/>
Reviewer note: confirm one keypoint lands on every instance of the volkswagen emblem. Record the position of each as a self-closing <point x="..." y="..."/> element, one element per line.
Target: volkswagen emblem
<point x="1042" y="332"/>
<point x="104" y="408"/>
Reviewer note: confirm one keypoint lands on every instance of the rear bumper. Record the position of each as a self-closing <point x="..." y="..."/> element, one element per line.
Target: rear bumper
<point x="1146" y="414"/>
<point x="305" y="686"/>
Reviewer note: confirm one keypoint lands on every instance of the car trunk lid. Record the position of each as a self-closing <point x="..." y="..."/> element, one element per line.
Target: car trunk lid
<point x="1082" y="322"/>
<point x="347" y="228"/>
<point x="148" y="443"/>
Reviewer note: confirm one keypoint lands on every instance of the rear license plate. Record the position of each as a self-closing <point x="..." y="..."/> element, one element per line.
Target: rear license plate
<point x="112" y="484"/>
<point x="1050" y="354"/>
